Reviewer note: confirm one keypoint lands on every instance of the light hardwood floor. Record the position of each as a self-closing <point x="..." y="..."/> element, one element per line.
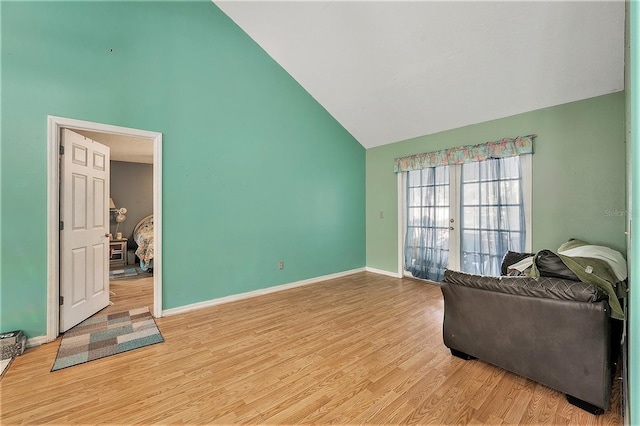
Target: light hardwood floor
<point x="364" y="349"/>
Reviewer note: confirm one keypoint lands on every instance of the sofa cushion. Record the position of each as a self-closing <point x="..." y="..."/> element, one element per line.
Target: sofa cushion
<point x="547" y="287"/>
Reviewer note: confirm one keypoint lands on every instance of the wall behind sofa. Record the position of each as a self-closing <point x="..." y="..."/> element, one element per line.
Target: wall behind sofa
<point x="254" y="170"/>
<point x="578" y="175"/>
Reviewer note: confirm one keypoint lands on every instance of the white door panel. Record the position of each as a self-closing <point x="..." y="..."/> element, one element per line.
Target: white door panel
<point x="84" y="245"/>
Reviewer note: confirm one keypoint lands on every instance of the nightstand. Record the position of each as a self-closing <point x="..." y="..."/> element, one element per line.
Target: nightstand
<point x="118" y="252"/>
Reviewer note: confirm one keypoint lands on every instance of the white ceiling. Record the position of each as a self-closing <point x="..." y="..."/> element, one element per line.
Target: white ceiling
<point x="123" y="148"/>
<point x="394" y="70"/>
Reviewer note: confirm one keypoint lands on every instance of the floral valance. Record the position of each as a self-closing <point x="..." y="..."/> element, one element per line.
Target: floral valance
<point x="466" y="154"/>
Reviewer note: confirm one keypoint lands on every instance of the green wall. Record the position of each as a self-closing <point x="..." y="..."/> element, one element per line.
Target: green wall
<point x="634" y="290"/>
<point x="255" y="171"/>
<point x="578" y="175"/>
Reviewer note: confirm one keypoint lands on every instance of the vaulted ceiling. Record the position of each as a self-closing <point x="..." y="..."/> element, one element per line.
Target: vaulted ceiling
<point x="394" y="70"/>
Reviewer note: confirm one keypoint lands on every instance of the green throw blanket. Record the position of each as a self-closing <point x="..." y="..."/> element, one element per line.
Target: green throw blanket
<point x="591" y="271"/>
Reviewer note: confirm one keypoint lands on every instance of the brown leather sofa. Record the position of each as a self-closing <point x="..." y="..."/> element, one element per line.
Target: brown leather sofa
<point x="554" y="331"/>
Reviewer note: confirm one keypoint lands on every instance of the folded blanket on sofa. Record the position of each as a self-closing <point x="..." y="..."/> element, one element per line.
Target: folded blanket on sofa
<point x="613" y="258"/>
<point x="590" y="270"/>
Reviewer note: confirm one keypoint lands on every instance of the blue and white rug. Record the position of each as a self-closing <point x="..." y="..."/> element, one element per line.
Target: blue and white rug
<point x="127" y="272"/>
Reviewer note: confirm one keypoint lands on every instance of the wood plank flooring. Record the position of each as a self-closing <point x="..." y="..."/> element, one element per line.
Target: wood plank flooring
<point x="364" y="349"/>
<point x="130" y="293"/>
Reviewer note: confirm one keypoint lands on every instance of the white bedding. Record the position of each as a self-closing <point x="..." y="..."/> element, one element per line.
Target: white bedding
<point x="143" y="236"/>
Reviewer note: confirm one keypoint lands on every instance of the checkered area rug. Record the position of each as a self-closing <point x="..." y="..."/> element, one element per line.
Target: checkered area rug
<point x="99" y="337"/>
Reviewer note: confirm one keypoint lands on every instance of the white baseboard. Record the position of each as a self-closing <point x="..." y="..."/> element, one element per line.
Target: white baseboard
<point x="36" y="341"/>
<point x="383" y="272"/>
<point x="255" y="293"/>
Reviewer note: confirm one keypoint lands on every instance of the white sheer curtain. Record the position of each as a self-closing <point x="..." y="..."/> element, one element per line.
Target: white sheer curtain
<point x="492" y="210"/>
<point x="427" y="238"/>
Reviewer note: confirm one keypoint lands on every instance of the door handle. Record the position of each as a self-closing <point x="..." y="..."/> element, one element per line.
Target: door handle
<point x="451" y="228"/>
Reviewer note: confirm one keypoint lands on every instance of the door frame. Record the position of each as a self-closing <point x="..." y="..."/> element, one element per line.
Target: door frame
<point x="54" y="125"/>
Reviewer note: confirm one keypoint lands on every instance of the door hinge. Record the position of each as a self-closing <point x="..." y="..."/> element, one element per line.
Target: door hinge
<point x="61" y="149"/>
<point x="61" y="300"/>
<point x="61" y="225"/>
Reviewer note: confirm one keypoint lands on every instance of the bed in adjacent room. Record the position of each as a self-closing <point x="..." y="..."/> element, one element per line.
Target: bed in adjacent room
<point x="143" y="236"/>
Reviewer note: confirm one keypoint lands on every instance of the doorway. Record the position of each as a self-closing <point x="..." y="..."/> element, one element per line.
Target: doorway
<point x="55" y="125"/>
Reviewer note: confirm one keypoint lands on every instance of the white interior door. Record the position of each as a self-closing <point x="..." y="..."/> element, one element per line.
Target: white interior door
<point x="84" y="242"/>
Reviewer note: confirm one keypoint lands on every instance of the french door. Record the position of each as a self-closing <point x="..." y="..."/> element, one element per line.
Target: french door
<point x="464" y="217"/>
<point x="431" y="223"/>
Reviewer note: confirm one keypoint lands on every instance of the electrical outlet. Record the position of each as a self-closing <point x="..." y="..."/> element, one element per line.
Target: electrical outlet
<point x="381" y="214"/>
<point x="281" y="265"/>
